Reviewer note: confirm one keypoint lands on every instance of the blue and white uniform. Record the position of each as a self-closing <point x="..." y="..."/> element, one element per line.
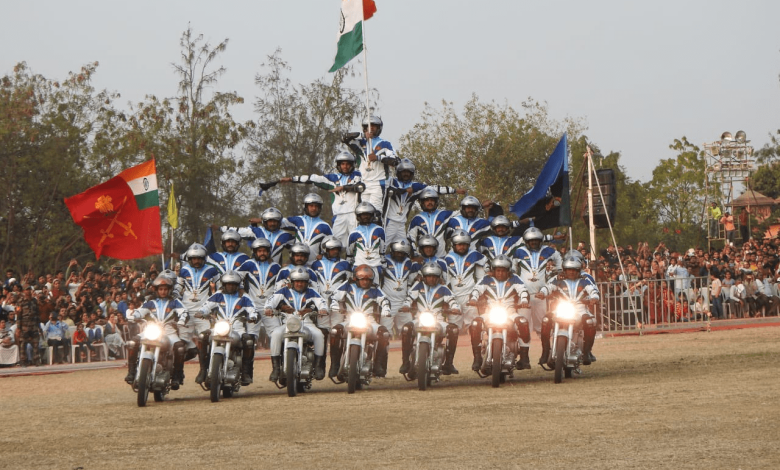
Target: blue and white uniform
<point x="463" y="273"/>
<point x="283" y="278"/>
<point x="577" y="291"/>
<point x="536" y="268"/>
<point x="193" y="290"/>
<point x="371" y="301"/>
<point x="225" y="261"/>
<point x="331" y="275"/>
<point x="228" y="307"/>
<point x="493" y="245"/>
<point x="477" y="228"/>
<point x="311" y="231"/>
<point x="432" y="223"/>
<point x="397" y="204"/>
<point x="298" y="301"/>
<point x="343" y="203"/>
<point x="367" y="246"/>
<point x="259" y="283"/>
<point x="375" y="174"/>
<point x="508" y="294"/>
<point x="396" y="280"/>
<point x="170" y="312"/>
<point x="280" y="239"/>
<point x="434" y="299"/>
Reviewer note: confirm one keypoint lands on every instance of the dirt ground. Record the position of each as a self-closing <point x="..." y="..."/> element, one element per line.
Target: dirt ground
<point x="695" y="400"/>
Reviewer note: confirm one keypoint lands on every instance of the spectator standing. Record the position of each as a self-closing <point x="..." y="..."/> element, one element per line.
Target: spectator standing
<point x="744" y="221"/>
<point x="28" y="336"/>
<point x="715" y="215"/>
<point x="728" y="225"/>
<point x="716" y="288"/>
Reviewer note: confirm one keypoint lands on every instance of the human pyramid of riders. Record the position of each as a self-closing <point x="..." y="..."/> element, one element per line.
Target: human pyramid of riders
<point x="369" y="261"/>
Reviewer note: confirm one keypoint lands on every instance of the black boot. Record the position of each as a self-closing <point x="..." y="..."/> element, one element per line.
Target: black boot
<point x="247" y="367"/>
<point x="380" y="361"/>
<point x="276" y="363"/>
<point x="545" y="349"/>
<point x="319" y="367"/>
<point x="523" y="362"/>
<point x="449" y="350"/>
<point x="477" y="364"/>
<point x="132" y="365"/>
<point x="406" y="348"/>
<point x="587" y="346"/>
<point x="335" y="351"/>
<point x="203" y="357"/>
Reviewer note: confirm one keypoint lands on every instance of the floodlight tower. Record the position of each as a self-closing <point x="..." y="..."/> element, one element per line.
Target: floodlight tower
<point x="729" y="161"/>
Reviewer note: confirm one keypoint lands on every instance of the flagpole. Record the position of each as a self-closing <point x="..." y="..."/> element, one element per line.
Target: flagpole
<point x="369" y="141"/>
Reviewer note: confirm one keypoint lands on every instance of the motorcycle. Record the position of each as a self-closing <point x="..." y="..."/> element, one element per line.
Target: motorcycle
<point x="226" y="356"/>
<point x="358" y="354"/>
<point x="155" y="364"/>
<point x="566" y="342"/>
<point x="298" y="365"/>
<point x="498" y="355"/>
<point x="428" y="356"/>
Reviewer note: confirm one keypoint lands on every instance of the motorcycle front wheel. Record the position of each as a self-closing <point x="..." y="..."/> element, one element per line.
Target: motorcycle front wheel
<point x="292" y="366"/>
<point x="560" y="358"/>
<point x="143" y="381"/>
<point x="424" y="355"/>
<point x="354" y="372"/>
<point x="497" y="352"/>
<point x="216" y="377"/>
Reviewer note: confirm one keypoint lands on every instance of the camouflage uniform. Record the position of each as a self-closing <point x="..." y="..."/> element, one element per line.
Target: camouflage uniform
<point x="28" y="328"/>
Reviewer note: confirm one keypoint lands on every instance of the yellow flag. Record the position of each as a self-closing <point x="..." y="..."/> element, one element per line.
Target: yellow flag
<point x="173" y="211"/>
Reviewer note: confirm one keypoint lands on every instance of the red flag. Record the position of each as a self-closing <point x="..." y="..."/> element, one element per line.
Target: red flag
<point x="369" y="8"/>
<point x="114" y="225"/>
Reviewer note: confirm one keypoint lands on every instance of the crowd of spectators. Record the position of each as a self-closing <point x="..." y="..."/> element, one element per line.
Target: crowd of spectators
<point x="86" y="307"/>
<point x="728" y="282"/>
<point x="82" y="306"/>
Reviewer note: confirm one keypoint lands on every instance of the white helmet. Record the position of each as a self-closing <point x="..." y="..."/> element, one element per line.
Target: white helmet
<point x="428" y="193"/>
<point x="460" y="236"/>
<point x="196" y="250"/>
<point x="345" y="157"/>
<point x="272" y="213"/>
<point x="300" y="249"/>
<point x="470" y="201"/>
<point x="299" y="274"/>
<point x="401" y="246"/>
<point x="532" y="233"/>
<point x="230" y="235"/>
<point x="431" y="269"/>
<point x="572" y="262"/>
<point x="364" y="208"/>
<point x="330" y="244"/>
<point x="405" y="165"/>
<point x="501" y="261"/>
<point x="499" y="221"/>
<point x="428" y="240"/>
<point x="375" y="120"/>
<point x="230" y="277"/>
<point x="261" y="243"/>
<point x="312" y="198"/>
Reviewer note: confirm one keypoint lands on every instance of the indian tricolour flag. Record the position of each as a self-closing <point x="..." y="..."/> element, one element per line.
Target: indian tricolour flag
<point x="350" y="36"/>
<point x="142" y="180"/>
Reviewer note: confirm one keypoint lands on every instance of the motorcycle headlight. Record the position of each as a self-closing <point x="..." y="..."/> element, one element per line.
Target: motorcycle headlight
<point x="427" y="319"/>
<point x="222" y="328"/>
<point x="498" y="315"/>
<point x="153" y="331"/>
<point x="358" y="320"/>
<point x="294" y="324"/>
<point x="565" y="311"/>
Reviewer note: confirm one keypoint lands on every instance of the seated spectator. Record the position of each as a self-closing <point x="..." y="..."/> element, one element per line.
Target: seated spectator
<point x="9" y="351"/>
<point x="95" y="336"/>
<point x="81" y="341"/>
<point x="57" y="337"/>
<point x="700" y="309"/>
<point x="112" y="337"/>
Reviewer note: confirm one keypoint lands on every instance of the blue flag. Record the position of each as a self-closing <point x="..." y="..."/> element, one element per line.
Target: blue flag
<point x="548" y="201"/>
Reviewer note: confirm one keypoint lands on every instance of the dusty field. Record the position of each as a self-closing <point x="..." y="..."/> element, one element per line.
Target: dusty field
<point x="699" y="400"/>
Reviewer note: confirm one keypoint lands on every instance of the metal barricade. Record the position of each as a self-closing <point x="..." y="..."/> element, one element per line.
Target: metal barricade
<point x="653" y="302"/>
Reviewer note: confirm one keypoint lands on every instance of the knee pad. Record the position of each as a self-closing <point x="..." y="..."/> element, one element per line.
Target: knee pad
<point x="336" y="333"/>
<point x="383" y="336"/>
<point x="179" y="348"/>
<point x="407" y="329"/>
<point x="452" y="329"/>
<point x="248" y="341"/>
<point x="523" y="330"/>
<point x="588" y="322"/>
<point x="205" y="335"/>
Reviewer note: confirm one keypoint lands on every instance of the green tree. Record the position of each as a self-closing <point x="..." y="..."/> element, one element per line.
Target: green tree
<point x="491" y="149"/>
<point x="48" y="139"/>
<point x="677" y="194"/>
<point x="766" y="179"/>
<point x="298" y="131"/>
<point x="195" y="141"/>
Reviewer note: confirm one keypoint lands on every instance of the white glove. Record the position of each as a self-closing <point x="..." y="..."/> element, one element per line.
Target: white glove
<point x="387" y="315"/>
<point x="253" y="318"/>
<point x="183" y="319"/>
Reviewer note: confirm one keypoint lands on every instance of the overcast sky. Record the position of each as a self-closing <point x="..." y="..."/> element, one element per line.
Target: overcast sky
<point x="640" y="73"/>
